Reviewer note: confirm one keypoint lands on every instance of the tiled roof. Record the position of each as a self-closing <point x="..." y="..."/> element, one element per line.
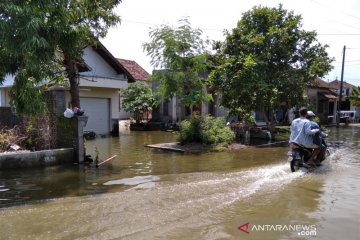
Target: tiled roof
<point x="321" y="83"/>
<point x="136" y="71"/>
<point x="336" y="85"/>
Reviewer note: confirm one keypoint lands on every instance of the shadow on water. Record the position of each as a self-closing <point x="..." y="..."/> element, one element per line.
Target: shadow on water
<point x="29" y="185"/>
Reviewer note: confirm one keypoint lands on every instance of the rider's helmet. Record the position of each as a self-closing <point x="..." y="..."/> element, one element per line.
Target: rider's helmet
<point x="310" y="114"/>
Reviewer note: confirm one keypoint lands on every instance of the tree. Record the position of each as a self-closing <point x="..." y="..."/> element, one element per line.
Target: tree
<point x="267" y="60"/>
<point x="138" y="99"/>
<point x="355" y="97"/>
<point x="44" y="39"/>
<point x="181" y="52"/>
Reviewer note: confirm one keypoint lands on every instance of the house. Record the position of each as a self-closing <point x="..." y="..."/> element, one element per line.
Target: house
<point x="346" y="107"/>
<point x="99" y="86"/>
<point x="324" y="100"/>
<point x="173" y="110"/>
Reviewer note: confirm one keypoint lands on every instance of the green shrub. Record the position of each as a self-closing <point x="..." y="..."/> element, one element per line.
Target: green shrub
<point x="207" y="130"/>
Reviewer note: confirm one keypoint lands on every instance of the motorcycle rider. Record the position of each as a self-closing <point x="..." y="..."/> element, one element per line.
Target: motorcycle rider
<point x="302" y="135"/>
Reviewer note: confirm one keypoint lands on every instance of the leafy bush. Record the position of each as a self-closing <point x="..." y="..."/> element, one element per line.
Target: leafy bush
<point x="207" y="130"/>
<point x="139" y="99"/>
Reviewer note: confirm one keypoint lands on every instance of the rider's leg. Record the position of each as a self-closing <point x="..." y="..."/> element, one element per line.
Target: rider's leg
<point x="313" y="158"/>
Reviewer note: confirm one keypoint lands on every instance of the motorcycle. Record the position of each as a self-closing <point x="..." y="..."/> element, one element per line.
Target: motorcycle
<point x="299" y="156"/>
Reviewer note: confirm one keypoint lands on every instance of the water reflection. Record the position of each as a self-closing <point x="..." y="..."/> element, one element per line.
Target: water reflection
<point x="133" y="159"/>
<point x="149" y="194"/>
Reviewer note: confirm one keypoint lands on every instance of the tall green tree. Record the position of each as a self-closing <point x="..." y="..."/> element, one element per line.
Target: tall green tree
<point x="267" y="60"/>
<point x="181" y="53"/>
<point x="139" y="99"/>
<point x="44" y="39"/>
<point x="355" y="97"/>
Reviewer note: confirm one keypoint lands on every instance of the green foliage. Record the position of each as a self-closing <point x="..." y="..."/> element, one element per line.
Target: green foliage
<point x="267" y="60"/>
<point x="214" y="130"/>
<point x="190" y="130"/>
<point x="138" y="99"/>
<point x="207" y="130"/>
<point x="44" y="39"/>
<point x="27" y="96"/>
<point x="303" y="103"/>
<point x="182" y="53"/>
<point x="355" y="97"/>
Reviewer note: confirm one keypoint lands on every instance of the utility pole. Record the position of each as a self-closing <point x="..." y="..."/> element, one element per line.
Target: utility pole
<point x="341" y="89"/>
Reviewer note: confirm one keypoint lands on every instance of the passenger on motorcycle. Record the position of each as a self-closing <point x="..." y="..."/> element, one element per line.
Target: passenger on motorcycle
<point x="302" y="135"/>
<point x="317" y="138"/>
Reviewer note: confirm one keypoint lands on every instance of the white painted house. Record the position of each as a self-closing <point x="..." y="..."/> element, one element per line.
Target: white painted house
<point x="99" y="89"/>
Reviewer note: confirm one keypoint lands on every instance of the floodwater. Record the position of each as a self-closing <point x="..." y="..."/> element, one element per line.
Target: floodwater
<point x="149" y="194"/>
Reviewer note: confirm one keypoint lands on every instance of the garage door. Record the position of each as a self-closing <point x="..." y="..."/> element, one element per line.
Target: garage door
<point x="97" y="109"/>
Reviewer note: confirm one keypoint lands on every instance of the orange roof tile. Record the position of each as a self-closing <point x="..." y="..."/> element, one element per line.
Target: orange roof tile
<point x="136" y="71"/>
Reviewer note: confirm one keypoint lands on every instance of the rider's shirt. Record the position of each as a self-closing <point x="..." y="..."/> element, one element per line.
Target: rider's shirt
<point x="301" y="132"/>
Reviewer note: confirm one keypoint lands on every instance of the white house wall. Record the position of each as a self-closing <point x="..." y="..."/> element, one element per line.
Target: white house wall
<point x="2" y="98"/>
<point x="4" y="90"/>
<point x="103" y="83"/>
<point x="99" y="67"/>
<point x="116" y="112"/>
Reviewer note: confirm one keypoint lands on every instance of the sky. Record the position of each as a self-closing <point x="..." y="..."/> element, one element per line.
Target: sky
<point x="336" y="22"/>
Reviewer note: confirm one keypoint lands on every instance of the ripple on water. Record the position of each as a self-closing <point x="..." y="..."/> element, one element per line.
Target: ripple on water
<point x="138" y="181"/>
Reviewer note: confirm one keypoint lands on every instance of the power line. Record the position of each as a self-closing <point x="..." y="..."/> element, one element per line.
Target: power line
<point x="139" y="22"/>
<point x="349" y="65"/>
<point x="358" y="60"/>
<point x="340" y="34"/>
<point x="221" y="30"/>
<point x="337" y="10"/>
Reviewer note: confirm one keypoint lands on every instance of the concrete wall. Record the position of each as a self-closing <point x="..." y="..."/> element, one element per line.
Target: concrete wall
<point x="36" y="159"/>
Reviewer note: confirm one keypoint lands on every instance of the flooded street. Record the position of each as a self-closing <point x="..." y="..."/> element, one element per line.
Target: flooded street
<point x="151" y="194"/>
